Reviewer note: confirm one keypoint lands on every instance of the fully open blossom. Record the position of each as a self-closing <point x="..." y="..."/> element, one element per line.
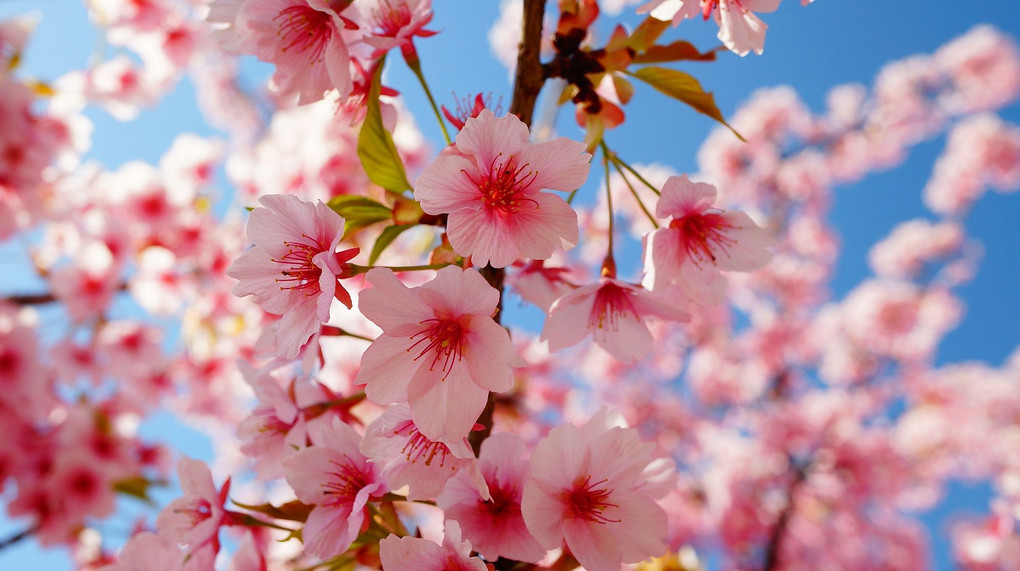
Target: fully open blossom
<point x="304" y="38"/>
<point x="417" y="554"/>
<point x="338" y="480"/>
<point x="490" y="182"/>
<point x="294" y="268"/>
<point x="613" y="312"/>
<point x="739" y="28"/>
<point x="589" y="487"/>
<point x="495" y="526"/>
<point x="440" y="350"/>
<point x="700" y="241"/>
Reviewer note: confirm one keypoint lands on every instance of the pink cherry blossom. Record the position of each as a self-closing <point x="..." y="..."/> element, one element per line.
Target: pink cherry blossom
<point x="338" y="480"/>
<point x="304" y="38"/>
<point x="587" y="487"/>
<point x="440" y="350"/>
<point x="700" y="241"/>
<point x="417" y="554"/>
<point x="613" y="312"/>
<point x="490" y="182"/>
<point x="394" y="23"/>
<point x="496" y="526"/>
<point x="195" y="518"/>
<point x="409" y="458"/>
<point x="739" y="28"/>
<point x="294" y="268"/>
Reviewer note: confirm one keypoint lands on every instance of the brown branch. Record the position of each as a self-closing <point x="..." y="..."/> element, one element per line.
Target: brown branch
<point x="775" y="545"/>
<point x="31" y="299"/>
<point x="18" y="537"/>
<point x="528" y="81"/>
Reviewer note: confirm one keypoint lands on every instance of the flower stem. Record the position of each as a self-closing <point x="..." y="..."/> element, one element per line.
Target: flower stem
<point x="633" y="192"/>
<point x="620" y="162"/>
<point x="609" y="265"/>
<point x="415" y="66"/>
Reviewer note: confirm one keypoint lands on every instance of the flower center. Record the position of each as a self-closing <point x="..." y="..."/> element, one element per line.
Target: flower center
<point x="587" y="500"/>
<point x="443" y="339"/>
<point x="197" y="511"/>
<point x="299" y="272"/>
<point x="390" y="18"/>
<point x="503" y="188"/>
<point x="701" y="234"/>
<point x="344" y="481"/>
<point x="304" y="29"/>
<point x="611" y="304"/>
<point x="419" y="447"/>
<point x="504" y="502"/>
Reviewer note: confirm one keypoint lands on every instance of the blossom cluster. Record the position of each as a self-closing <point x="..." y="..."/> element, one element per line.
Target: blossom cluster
<point x="695" y="392"/>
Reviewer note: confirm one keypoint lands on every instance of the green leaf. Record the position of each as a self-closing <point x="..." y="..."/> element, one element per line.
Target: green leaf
<point x="676" y="51"/>
<point x="291" y="511"/>
<point x="646" y="33"/>
<point x="684" y="87"/>
<point x="359" y="211"/>
<point x="136" y="487"/>
<point x="386" y="238"/>
<point x="376" y="150"/>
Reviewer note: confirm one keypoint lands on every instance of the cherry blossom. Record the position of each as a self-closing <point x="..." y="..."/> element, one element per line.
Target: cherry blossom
<point x="700" y="241"/>
<point x="440" y="350"/>
<point x="195" y="518"/>
<point x="490" y="182"/>
<point x="305" y="39"/>
<point x="739" y="28"/>
<point x="495" y="526"/>
<point x="586" y="488"/>
<point x="417" y="554"/>
<point x="613" y="312"/>
<point x="294" y="268"/>
<point x="338" y="480"/>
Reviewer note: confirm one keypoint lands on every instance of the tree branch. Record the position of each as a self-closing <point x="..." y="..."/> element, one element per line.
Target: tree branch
<point x="528" y="81"/>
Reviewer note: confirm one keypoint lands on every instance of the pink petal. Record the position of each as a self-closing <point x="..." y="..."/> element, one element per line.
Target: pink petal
<point x="561" y="164"/>
<point x="386" y="369"/>
<point x="456" y="292"/>
<point x="390" y="304"/>
<point x="445" y="410"/>
<point x="489" y="354"/>
<point x="486" y="137"/>
<point x="680" y="197"/>
<point x="445" y="185"/>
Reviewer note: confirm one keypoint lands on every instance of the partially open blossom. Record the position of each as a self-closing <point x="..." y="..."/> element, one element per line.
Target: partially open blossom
<point x="589" y="487"/>
<point x="417" y="554"/>
<point x="338" y="480"/>
<point x="613" y="312"/>
<point x="195" y="518"/>
<point x="699" y="241"/>
<point x="440" y="350"/>
<point x="409" y="458"/>
<point x="490" y="182"/>
<point x="294" y="268"/>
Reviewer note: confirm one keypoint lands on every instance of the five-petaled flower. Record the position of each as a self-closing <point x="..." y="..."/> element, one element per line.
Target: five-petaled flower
<point x="699" y="241"/>
<point x="490" y="182"/>
<point x="294" y="268"/>
<point x="440" y="350"/>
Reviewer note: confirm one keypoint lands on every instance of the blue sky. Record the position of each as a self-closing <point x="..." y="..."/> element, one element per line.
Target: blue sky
<point x="810" y="47"/>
